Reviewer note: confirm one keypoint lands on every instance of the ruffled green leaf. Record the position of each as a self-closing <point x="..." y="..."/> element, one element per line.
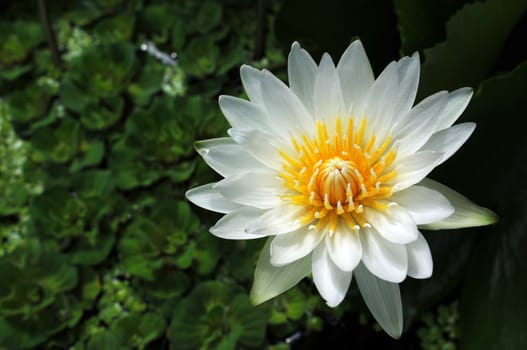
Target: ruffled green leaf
<point x="215" y="317"/>
<point x="17" y="39"/>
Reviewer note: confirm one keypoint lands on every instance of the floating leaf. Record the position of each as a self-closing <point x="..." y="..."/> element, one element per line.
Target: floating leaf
<point x="93" y="183"/>
<point x="105" y="341"/>
<point x="168" y="283"/>
<point x="213" y="317"/>
<point x="92" y="249"/>
<point x="150" y="243"/>
<point x="148" y="83"/>
<point x="200" y="56"/>
<point x="117" y="28"/>
<point x="104" y="70"/>
<point x="57" y="144"/>
<point x="17" y="39"/>
<point x="137" y="330"/>
<point x="91" y="153"/>
<point x="102" y="115"/>
<point x="57" y="212"/>
<point x="29" y="103"/>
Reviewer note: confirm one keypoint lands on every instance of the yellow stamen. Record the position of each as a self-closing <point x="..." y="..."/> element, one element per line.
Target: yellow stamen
<point x="339" y="176"/>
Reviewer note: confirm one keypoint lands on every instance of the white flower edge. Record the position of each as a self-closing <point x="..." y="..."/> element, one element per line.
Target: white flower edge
<point x="382" y="298"/>
<point x="271" y="281"/>
<point x="466" y="213"/>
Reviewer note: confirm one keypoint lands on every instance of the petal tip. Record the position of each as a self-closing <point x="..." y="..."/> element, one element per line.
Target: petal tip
<point x="255" y="299"/>
<point x="356" y="42"/>
<point x="295" y="45"/>
<point x="222" y="98"/>
<point x="395" y="335"/>
<point x="488" y="217"/>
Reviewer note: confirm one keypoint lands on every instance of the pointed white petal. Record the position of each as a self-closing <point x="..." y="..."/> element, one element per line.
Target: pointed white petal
<point x="328" y="95"/>
<point x="456" y="104"/>
<point x="420" y="263"/>
<point x="294" y="245"/>
<point x="242" y="114"/>
<point x="383" y="258"/>
<point x="270" y="281"/>
<point x="394" y="224"/>
<point x="226" y="157"/>
<point x="233" y="225"/>
<point x="356" y="77"/>
<point x="332" y="283"/>
<point x="449" y="140"/>
<point x="251" y="80"/>
<point x="466" y="213"/>
<point x="423" y="204"/>
<point x="260" y="145"/>
<point x="344" y="247"/>
<point x="282" y="219"/>
<point x="383" y="299"/>
<point x="381" y="102"/>
<point x="256" y="189"/>
<point x="408" y="72"/>
<point x="207" y="197"/>
<point x="413" y="168"/>
<point x="286" y="113"/>
<point x="419" y="124"/>
<point x="302" y="70"/>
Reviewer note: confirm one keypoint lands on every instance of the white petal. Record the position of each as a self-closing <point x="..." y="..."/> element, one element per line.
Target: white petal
<point x="256" y="189"/>
<point x="419" y="124"/>
<point x="270" y="281"/>
<point x="344" y="247"/>
<point x="251" y="80"/>
<point x="394" y="224"/>
<point x="466" y="213"/>
<point x="328" y="95"/>
<point x="413" y="168"/>
<point x="456" y="104"/>
<point x="282" y="219"/>
<point x="449" y="140"/>
<point x="332" y="283"/>
<point x="381" y="102"/>
<point x="425" y="205"/>
<point x="207" y="197"/>
<point x="356" y="76"/>
<point x="286" y="114"/>
<point x="408" y="72"/>
<point x="301" y="70"/>
<point x="260" y="145"/>
<point x="226" y="157"/>
<point x="232" y="225"/>
<point x="420" y="263"/>
<point x="243" y="114"/>
<point x="294" y="245"/>
<point x="383" y="299"/>
<point x="407" y="122"/>
<point x="384" y="259"/>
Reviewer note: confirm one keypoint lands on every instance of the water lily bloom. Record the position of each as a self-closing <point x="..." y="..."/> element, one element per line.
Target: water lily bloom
<point x="332" y="169"/>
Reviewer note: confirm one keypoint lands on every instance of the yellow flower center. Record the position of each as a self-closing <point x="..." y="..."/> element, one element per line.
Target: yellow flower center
<point x="336" y="177"/>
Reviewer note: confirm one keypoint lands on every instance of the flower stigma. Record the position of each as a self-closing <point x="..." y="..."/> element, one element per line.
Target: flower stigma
<point x="337" y="176"/>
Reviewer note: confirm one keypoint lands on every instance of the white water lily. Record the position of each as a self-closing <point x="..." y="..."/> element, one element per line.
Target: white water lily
<point x="332" y="168"/>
